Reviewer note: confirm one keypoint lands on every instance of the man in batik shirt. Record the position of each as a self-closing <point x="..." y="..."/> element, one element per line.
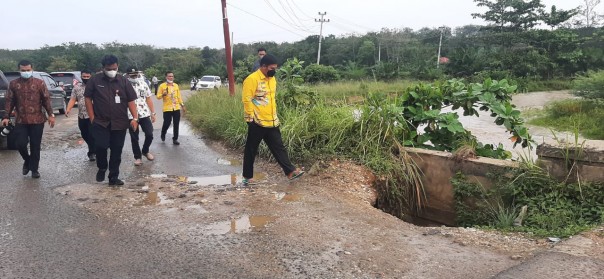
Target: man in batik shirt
<point x="77" y="95"/>
<point x="146" y="117"/>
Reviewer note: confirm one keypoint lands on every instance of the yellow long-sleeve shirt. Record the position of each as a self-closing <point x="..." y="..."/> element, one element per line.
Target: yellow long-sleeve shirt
<point x="258" y="98"/>
<point x="170" y="95"/>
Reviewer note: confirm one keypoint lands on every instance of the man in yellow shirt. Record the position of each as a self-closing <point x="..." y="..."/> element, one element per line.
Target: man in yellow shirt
<point x="169" y="92"/>
<point x="260" y="113"/>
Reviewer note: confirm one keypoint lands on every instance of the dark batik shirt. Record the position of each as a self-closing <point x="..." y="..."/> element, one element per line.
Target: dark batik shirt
<point x="28" y="97"/>
<point x="107" y="111"/>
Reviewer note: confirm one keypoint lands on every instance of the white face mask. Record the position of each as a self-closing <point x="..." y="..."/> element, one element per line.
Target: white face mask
<point x="27" y="74"/>
<point x="110" y="74"/>
<point x="170" y="81"/>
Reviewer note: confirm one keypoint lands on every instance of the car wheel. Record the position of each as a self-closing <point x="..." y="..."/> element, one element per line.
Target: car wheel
<point x="62" y="111"/>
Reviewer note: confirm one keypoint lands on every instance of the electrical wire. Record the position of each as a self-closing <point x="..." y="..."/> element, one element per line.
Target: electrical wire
<point x="277" y="25"/>
<point x="345" y="21"/>
<point x="299" y="28"/>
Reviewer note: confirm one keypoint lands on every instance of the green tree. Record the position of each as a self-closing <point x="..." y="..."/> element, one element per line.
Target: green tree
<point x="510" y="15"/>
<point x="61" y="63"/>
<point x="556" y="17"/>
<point x="366" y="55"/>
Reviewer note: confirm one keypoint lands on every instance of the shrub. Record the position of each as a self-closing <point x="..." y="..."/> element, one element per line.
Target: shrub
<point x="590" y="86"/>
<point x="314" y="73"/>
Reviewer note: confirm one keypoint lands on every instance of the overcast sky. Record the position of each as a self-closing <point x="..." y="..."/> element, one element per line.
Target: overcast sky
<point x="183" y="23"/>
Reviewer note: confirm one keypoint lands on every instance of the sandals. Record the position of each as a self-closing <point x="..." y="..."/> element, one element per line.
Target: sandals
<point x="248" y="181"/>
<point x="295" y="174"/>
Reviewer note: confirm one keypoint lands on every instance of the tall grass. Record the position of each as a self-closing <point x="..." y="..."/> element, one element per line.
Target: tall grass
<point x="323" y="131"/>
<point x="347" y="90"/>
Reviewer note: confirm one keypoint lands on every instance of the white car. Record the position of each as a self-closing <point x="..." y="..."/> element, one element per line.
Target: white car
<point x="208" y="82"/>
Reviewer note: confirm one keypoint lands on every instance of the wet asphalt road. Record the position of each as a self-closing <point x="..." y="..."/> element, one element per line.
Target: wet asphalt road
<point x="41" y="236"/>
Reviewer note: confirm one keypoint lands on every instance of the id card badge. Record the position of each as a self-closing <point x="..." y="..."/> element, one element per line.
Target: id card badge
<point x="117" y="99"/>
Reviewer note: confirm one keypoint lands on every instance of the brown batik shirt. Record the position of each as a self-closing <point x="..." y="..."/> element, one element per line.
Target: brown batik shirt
<point x="28" y="97"/>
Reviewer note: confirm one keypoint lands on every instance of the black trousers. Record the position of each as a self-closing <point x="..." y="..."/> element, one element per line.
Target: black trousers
<point x="156" y="85"/>
<point x="85" y="125"/>
<point x="31" y="133"/>
<point x="168" y="116"/>
<point x="272" y="138"/>
<point x="146" y="125"/>
<point x="105" y="138"/>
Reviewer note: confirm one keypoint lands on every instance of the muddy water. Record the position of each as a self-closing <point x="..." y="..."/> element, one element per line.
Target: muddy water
<point x="245" y="224"/>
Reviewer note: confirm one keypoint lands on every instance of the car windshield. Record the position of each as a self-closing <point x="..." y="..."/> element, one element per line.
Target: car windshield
<point x="65" y="78"/>
<point x="207" y="79"/>
<point x="12" y="76"/>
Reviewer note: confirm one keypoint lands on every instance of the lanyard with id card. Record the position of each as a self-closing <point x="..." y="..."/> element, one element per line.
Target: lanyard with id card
<point x="117" y="97"/>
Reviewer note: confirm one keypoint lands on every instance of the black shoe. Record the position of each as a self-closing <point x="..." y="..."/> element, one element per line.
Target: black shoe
<point x="92" y="157"/>
<point x="25" y="170"/>
<point x="175" y="142"/>
<point x="35" y="174"/>
<point x="115" y="182"/>
<point x="100" y="175"/>
<point x="163" y="137"/>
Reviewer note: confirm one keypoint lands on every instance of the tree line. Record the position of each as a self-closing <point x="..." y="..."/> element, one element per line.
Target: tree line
<point x="510" y="46"/>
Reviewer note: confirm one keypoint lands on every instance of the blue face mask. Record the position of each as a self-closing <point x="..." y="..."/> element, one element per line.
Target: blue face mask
<point x="27" y="74"/>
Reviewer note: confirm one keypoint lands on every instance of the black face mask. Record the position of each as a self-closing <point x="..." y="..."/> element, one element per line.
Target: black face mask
<point x="271" y="73"/>
<point x="85" y="80"/>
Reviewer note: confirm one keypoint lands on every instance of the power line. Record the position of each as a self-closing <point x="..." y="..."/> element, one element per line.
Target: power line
<point x="352" y="23"/>
<point x="277" y="25"/>
<point x="285" y="20"/>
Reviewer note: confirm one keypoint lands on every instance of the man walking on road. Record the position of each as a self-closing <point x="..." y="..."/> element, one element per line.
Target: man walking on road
<point x="155" y="82"/>
<point x="169" y="92"/>
<point x="260" y="112"/>
<point x="146" y="117"/>
<point x="109" y="97"/>
<point x="28" y="95"/>
<point x="77" y="94"/>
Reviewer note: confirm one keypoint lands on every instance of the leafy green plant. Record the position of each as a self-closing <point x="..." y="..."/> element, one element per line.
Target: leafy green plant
<point x="295" y="94"/>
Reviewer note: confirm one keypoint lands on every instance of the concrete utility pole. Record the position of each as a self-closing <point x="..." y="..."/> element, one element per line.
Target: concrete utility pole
<point x="440" y="42"/>
<point x="227" y="49"/>
<point x="320" y="34"/>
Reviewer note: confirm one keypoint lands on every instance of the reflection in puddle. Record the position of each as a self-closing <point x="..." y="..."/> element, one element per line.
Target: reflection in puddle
<point x="159" y="175"/>
<point x="228" y="162"/>
<point x="155" y="198"/>
<point x="220" y="180"/>
<point x="244" y="224"/>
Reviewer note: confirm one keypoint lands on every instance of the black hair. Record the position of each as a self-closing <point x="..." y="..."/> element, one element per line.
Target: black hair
<point x="169" y="72"/>
<point x="24" y="63"/>
<point x="268" y="59"/>
<point x="86" y="71"/>
<point x="109" y="59"/>
<point x="262" y="49"/>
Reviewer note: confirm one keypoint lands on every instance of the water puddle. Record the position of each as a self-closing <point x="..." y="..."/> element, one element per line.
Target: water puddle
<point x="155" y="198"/>
<point x="232" y="179"/>
<point x="228" y="162"/>
<point x="244" y="224"/>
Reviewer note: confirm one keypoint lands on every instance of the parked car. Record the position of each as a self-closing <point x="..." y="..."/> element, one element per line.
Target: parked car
<point x="209" y="82"/>
<point x="57" y="94"/>
<point x="68" y="80"/>
<point x="4" y="140"/>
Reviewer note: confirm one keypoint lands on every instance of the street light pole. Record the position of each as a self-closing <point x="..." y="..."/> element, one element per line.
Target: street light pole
<point x="440" y="42"/>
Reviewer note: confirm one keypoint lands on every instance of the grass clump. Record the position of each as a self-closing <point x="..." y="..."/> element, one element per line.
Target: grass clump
<point x="553" y="208"/>
<point x="585" y="115"/>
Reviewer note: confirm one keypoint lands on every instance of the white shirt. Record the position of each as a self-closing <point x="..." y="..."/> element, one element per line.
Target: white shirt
<point x="142" y="93"/>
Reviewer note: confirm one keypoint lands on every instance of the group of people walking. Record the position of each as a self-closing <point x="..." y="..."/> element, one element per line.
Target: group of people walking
<point x="110" y="104"/>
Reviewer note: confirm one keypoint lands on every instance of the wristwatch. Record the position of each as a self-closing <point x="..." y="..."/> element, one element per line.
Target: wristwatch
<point x="135" y="119"/>
<point x="153" y="113"/>
<point x="52" y="115"/>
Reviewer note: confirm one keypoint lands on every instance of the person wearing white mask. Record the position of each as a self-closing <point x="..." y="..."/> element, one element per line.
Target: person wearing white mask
<point x="146" y="117"/>
<point x="28" y="96"/>
<point x="169" y="92"/>
<point x="109" y="97"/>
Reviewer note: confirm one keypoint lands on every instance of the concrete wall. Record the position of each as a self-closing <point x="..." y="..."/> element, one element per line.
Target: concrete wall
<point x="567" y="162"/>
<point x="438" y="169"/>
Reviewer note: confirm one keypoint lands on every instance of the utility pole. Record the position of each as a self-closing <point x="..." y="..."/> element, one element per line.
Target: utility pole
<point x="322" y="14"/>
<point x="379" y="52"/>
<point x="228" y="49"/>
<point x="440" y="42"/>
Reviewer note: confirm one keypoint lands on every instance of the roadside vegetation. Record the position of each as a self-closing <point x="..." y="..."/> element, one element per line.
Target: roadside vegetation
<point x="584" y="115"/>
